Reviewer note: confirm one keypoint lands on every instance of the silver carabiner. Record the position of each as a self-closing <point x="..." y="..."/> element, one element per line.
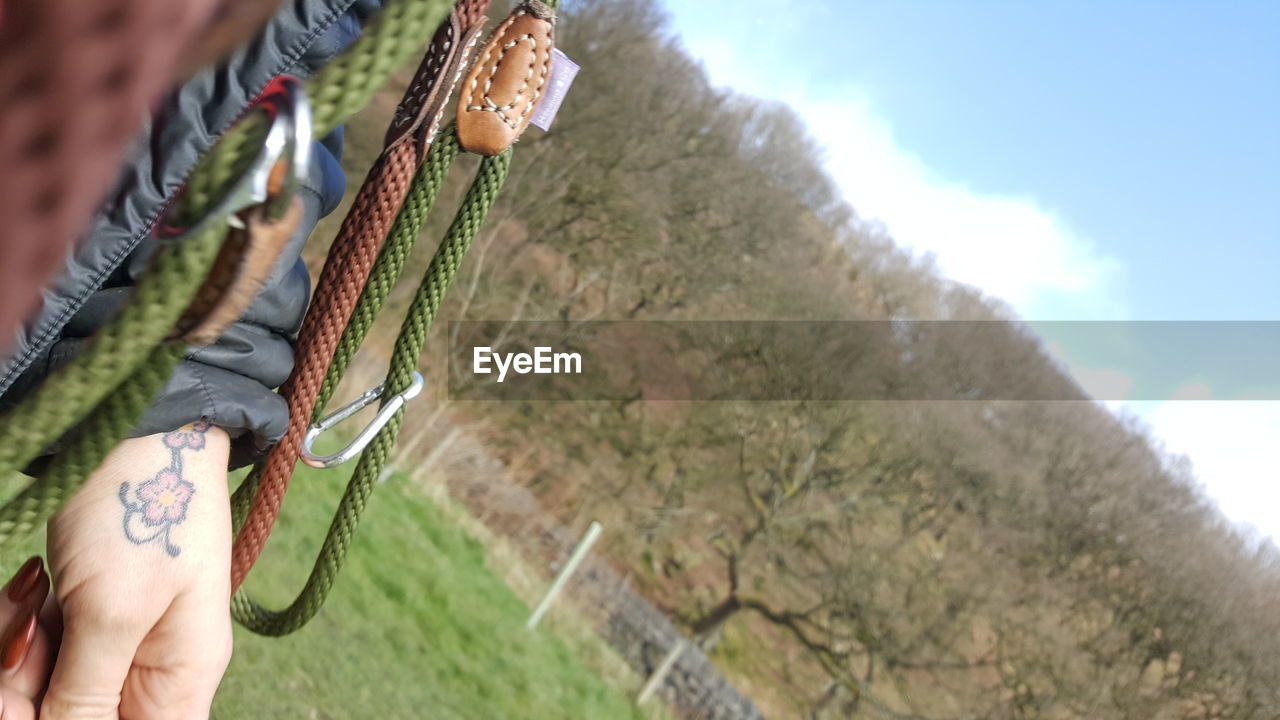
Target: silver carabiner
<point x="285" y="96"/>
<point x="384" y="416"/>
<point x="287" y="145"/>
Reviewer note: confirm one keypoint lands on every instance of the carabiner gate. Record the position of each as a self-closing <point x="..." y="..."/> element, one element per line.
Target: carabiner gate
<point x="358" y="445"/>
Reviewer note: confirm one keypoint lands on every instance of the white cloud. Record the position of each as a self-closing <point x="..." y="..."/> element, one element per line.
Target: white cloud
<point x="1231" y="445"/>
<point x="1010" y="247"/>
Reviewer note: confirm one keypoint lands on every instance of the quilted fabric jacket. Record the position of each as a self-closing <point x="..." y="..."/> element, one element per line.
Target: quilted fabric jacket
<point x="231" y="382"/>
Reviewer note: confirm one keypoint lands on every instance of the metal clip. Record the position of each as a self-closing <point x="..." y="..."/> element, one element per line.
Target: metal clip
<point x="384" y="416"/>
<point x="274" y="177"/>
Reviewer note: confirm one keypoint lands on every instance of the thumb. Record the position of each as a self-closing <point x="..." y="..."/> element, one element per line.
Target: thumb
<point x="92" y="664"/>
<point x="179" y="665"/>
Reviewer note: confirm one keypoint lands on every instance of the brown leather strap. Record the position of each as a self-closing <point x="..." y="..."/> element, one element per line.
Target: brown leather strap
<point x="419" y="113"/>
<point x="76" y="80"/>
<point x="241" y="269"/>
<point x="351" y="258"/>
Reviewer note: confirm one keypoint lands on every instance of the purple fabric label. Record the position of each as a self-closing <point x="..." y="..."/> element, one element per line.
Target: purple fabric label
<point x="563" y="71"/>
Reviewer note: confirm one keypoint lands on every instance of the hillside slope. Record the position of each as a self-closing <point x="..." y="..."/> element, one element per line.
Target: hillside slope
<point x="992" y="559"/>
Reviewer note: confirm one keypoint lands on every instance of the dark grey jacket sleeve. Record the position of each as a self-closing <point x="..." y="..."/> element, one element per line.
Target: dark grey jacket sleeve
<point x="231" y="382"/>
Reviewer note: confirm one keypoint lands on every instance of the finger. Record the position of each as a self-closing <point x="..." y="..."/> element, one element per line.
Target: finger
<point x="31" y="676"/>
<point x="24" y="585"/>
<point x="24" y="646"/>
<point x="180" y="664"/>
<point x="26" y="591"/>
<point x="26" y="658"/>
<point x="93" y="661"/>
<point x="16" y="643"/>
<point x="16" y="706"/>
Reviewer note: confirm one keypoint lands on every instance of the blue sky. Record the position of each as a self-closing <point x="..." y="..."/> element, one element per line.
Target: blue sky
<point x="1081" y="160"/>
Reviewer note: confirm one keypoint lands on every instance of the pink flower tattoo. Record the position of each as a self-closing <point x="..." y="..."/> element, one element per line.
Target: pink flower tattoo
<point x="190" y="437"/>
<point x="155" y="506"/>
<point x="164" y="498"/>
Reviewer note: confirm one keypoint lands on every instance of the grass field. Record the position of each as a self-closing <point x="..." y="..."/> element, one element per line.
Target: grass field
<point x="418" y="626"/>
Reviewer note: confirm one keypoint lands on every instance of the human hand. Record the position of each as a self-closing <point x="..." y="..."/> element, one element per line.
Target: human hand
<point x="141" y="565"/>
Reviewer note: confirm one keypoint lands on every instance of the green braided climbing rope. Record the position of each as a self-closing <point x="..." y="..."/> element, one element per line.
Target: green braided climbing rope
<point x="106" y="388"/>
<point x="108" y="368"/>
<point x="404" y="361"/>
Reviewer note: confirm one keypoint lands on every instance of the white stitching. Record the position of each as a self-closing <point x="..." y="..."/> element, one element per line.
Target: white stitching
<point x="546" y="73"/>
<point x="475" y="81"/>
<point x="424" y="81"/>
<point x="434" y="127"/>
<point x="500" y="110"/>
<point x="489" y="104"/>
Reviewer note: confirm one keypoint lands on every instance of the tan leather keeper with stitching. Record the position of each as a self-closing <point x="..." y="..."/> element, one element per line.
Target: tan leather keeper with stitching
<point x="503" y="88"/>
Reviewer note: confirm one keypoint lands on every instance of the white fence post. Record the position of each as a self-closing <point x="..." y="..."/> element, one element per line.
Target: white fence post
<point x="660" y="674"/>
<point x="579" y="554"/>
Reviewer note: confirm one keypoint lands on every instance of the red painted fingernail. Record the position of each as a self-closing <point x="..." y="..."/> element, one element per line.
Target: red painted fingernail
<point x="35" y="596"/>
<point x="17" y="641"/>
<point x="26" y="579"/>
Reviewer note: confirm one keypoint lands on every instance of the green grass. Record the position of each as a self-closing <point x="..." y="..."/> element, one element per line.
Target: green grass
<point x="418" y="625"/>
